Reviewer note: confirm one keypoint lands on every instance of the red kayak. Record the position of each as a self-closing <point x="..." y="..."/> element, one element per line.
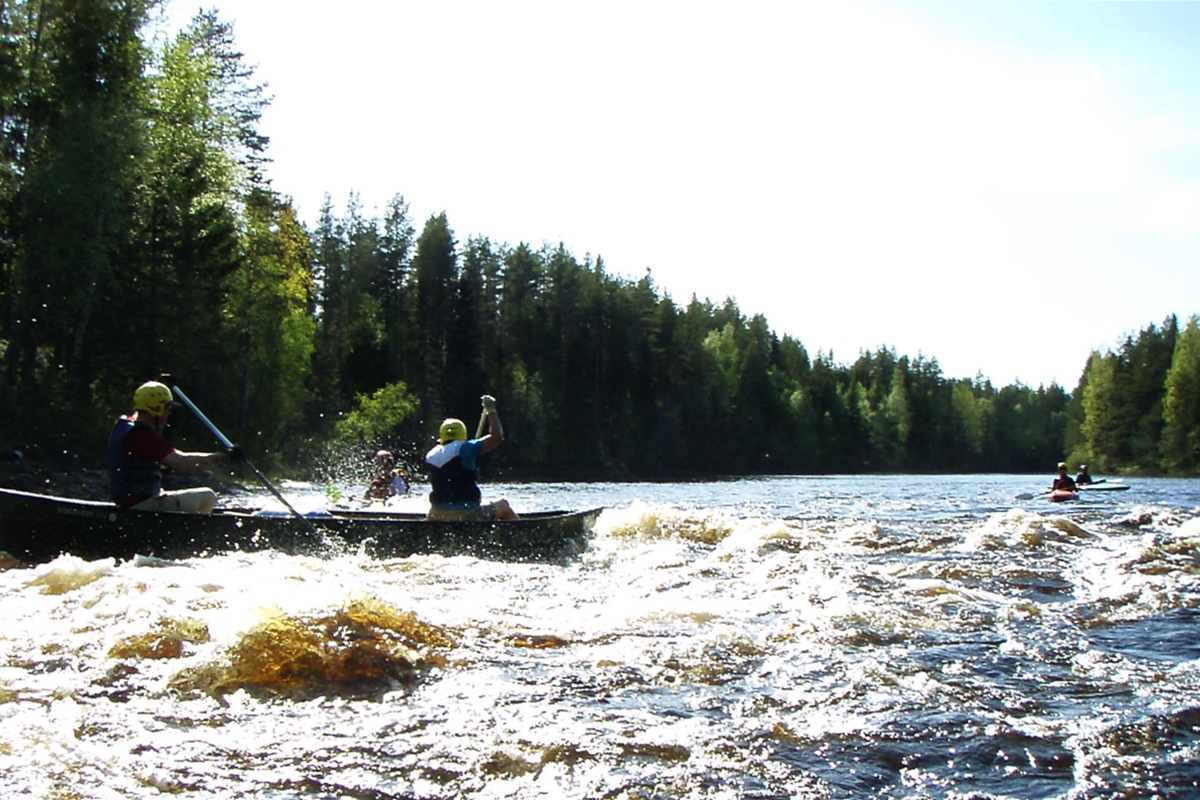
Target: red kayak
<point x="1061" y="495"/>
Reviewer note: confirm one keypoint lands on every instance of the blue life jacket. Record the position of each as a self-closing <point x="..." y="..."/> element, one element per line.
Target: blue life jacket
<point x="453" y="473"/>
<point x="128" y="476"/>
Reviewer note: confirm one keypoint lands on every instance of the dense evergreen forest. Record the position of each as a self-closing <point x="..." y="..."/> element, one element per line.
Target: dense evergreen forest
<point x="140" y="237"/>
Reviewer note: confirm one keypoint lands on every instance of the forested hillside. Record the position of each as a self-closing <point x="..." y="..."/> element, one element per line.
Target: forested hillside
<point x="1139" y="409"/>
<point x="139" y="237"/>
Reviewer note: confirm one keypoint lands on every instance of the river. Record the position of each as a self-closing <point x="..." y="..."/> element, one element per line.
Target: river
<point x="825" y="637"/>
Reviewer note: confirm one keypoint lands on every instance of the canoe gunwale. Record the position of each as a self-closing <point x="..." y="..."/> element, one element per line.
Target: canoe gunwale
<point x="36" y="528"/>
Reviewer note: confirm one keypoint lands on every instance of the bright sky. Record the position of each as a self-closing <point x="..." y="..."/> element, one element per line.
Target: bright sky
<point x="1002" y="186"/>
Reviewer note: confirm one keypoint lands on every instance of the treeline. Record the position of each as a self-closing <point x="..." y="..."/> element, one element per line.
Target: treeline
<point x="602" y="375"/>
<point x="137" y="232"/>
<point x="139" y="237"/>
<point x="1138" y="409"/>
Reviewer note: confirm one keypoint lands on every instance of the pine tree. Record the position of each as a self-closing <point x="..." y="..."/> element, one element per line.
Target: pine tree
<point x="435" y="271"/>
<point x="1181" y="410"/>
<point x="72" y="136"/>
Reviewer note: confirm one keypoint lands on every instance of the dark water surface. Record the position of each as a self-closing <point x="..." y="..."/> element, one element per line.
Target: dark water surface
<point x="839" y="637"/>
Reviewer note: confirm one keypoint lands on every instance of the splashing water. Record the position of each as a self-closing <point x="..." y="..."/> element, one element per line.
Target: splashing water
<point x="789" y="637"/>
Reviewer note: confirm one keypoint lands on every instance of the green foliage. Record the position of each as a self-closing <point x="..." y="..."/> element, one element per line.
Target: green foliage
<point x="1181" y="412"/>
<point x="139" y="235"/>
<point x="71" y="95"/>
<point x="435" y="269"/>
<point x="969" y="418"/>
<point x="1102" y="427"/>
<point x="1117" y="420"/>
<point x="269" y="313"/>
<point x="376" y="417"/>
<point x="899" y="413"/>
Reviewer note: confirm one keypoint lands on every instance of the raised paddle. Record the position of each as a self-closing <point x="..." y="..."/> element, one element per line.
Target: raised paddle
<point x="229" y="446"/>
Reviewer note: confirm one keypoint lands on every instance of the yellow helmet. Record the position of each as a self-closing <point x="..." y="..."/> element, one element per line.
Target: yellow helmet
<point x="153" y="397"/>
<point x="452" y="430"/>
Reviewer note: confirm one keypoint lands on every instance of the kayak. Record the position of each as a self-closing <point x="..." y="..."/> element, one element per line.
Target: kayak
<point x="38" y="528"/>
<point x="1062" y="495"/>
<point x="1103" y="487"/>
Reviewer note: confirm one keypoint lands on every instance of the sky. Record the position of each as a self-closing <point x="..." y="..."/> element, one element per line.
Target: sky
<point x="1004" y="187"/>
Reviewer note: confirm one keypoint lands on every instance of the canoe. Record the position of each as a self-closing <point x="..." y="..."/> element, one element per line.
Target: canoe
<point x="1062" y="495"/>
<point x="37" y="528"/>
<point x="1103" y="487"/>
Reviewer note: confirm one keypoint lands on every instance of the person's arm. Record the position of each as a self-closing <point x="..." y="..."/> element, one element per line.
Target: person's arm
<point x="495" y="434"/>
<point x="143" y="442"/>
<point x="186" y="461"/>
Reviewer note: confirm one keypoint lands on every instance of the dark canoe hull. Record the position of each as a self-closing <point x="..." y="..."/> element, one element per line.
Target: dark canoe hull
<point x="38" y="528"/>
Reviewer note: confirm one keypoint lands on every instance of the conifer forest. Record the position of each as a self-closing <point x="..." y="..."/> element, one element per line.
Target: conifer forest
<point x="141" y="238"/>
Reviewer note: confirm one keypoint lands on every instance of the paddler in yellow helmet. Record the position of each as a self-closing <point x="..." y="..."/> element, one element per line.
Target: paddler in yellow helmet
<point x="137" y="451"/>
<point x="454" y="469"/>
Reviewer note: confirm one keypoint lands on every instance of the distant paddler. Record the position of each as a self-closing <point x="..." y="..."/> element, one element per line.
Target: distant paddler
<point x="1087" y="483"/>
<point x="1063" y="487"/>
<point x="389" y="480"/>
<point x="1063" y="483"/>
<point x="454" y="469"/>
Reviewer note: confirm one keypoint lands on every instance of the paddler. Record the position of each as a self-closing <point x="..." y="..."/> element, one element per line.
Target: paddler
<point x="1063" y="482"/>
<point x="137" y="452"/>
<point x="454" y="469"/>
<point x="1084" y="478"/>
<point x="389" y="480"/>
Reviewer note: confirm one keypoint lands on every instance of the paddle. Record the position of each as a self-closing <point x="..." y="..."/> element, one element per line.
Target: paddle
<point x="1029" y="496"/>
<point x="229" y="446"/>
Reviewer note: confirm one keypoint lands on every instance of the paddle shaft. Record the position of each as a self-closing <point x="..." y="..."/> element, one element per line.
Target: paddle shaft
<point x="228" y="444"/>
